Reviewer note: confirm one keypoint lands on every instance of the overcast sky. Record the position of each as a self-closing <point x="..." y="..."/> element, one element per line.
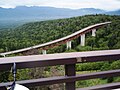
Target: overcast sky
<point x="73" y="4"/>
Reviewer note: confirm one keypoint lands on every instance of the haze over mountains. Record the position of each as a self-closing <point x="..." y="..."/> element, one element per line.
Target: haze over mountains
<point x="22" y="14"/>
<point x="38" y="12"/>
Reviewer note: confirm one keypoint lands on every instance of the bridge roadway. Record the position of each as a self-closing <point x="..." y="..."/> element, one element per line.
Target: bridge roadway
<point x="60" y="41"/>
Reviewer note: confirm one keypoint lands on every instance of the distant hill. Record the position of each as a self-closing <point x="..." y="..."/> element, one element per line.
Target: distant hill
<point x="16" y="16"/>
<point x="23" y="12"/>
<point x="117" y="12"/>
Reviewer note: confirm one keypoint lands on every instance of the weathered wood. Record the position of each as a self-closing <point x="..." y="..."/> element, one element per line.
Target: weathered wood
<point x="70" y="71"/>
<point x="67" y="59"/>
<point x="110" y="86"/>
<point x="37" y="63"/>
<point x="59" y="59"/>
<point x="69" y="78"/>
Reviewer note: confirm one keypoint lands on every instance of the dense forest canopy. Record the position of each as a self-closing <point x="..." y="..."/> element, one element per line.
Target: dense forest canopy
<point x="40" y="32"/>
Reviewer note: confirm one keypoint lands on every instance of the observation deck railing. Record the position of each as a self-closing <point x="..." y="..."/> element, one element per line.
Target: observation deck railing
<point x="69" y="60"/>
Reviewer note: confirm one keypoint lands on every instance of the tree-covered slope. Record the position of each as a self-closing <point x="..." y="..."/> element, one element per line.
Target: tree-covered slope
<point x="40" y="32"/>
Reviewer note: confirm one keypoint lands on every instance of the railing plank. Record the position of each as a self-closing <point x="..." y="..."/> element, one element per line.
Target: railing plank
<point x="101" y="58"/>
<point x="109" y="86"/>
<point x="59" y="59"/>
<point x="37" y="63"/>
<point x="64" y="79"/>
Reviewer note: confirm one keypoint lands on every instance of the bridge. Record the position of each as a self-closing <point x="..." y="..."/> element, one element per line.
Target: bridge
<point x="69" y="60"/>
<point x="67" y="40"/>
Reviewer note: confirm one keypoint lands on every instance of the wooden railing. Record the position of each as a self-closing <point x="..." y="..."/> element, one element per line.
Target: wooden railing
<point x="69" y="60"/>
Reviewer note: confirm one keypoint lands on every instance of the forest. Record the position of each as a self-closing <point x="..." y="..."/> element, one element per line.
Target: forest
<point x="34" y="33"/>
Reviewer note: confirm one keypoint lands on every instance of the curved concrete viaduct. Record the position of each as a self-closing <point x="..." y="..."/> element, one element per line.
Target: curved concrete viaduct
<point x="63" y="40"/>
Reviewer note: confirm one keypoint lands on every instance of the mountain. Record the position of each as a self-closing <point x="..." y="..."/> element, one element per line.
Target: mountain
<point x="23" y="12"/>
<point x="11" y="17"/>
<point x="117" y="12"/>
<point x="85" y="11"/>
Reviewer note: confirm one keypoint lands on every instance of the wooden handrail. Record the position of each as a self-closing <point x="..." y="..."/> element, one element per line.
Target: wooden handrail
<point x="109" y="86"/>
<point x="59" y="59"/>
<point x="64" y="79"/>
<point x="67" y="59"/>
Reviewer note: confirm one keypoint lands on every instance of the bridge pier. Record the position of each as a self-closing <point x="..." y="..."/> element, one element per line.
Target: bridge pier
<point x="69" y="45"/>
<point x="4" y="55"/>
<point x="94" y="32"/>
<point x="44" y="52"/>
<point x="83" y="40"/>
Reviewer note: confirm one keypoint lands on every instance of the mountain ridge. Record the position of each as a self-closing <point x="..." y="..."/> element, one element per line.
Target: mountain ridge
<point x="24" y="11"/>
<point x="50" y="11"/>
<point x="11" y="17"/>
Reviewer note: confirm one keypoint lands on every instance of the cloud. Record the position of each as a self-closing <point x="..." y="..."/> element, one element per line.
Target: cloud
<point x="73" y="4"/>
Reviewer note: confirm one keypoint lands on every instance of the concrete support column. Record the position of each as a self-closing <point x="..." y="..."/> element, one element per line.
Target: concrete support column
<point x="69" y="45"/>
<point x="94" y="32"/>
<point x="83" y="40"/>
<point x="44" y="52"/>
<point x="4" y="55"/>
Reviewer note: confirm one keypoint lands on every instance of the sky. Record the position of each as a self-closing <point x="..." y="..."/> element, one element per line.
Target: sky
<point x="108" y="5"/>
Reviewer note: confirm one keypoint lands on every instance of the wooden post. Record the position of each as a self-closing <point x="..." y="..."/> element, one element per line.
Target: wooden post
<point x="70" y="71"/>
